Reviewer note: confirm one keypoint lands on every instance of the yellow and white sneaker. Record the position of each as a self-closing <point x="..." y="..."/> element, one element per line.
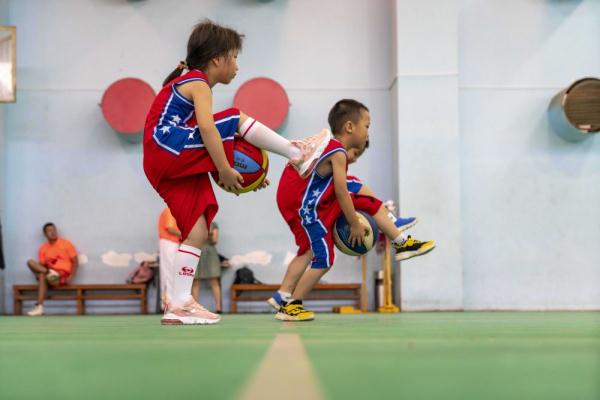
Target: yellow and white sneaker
<point x="412" y="248"/>
<point x="294" y="311"/>
<point x="191" y="313"/>
<point x="311" y="148"/>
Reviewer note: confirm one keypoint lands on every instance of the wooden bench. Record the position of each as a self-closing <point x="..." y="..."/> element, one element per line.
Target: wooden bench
<point x="82" y="292"/>
<point x="262" y="292"/>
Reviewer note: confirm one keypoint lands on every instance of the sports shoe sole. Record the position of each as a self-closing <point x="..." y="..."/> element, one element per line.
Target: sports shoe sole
<point x="175" y="320"/>
<point x="407" y="226"/>
<point x="410" y="254"/>
<point x="315" y="157"/>
<point x="284" y="317"/>
<point x="273" y="303"/>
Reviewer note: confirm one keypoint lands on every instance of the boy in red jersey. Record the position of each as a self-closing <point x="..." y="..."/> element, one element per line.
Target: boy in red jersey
<point x="311" y="207"/>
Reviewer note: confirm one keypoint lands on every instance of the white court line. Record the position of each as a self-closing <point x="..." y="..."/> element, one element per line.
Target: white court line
<point x="284" y="373"/>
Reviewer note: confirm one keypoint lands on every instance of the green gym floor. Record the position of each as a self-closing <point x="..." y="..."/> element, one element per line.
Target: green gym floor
<point x="472" y="355"/>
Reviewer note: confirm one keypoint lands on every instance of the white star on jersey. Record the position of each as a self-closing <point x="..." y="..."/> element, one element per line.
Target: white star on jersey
<point x="191" y="136"/>
<point x="176" y="119"/>
<point x="306" y="209"/>
<point x="307" y="220"/>
<point x="165" y="129"/>
<point x="316" y="193"/>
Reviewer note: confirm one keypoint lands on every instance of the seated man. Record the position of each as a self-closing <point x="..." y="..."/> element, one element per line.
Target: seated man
<point x="56" y="266"/>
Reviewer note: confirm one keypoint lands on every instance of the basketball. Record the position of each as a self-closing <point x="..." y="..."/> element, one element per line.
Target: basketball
<point x="251" y="162"/>
<point x="341" y="234"/>
<point x="53" y="278"/>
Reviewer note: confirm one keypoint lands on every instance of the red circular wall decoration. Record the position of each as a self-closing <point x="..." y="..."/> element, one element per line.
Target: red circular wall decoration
<point x="125" y="105"/>
<point x="263" y="99"/>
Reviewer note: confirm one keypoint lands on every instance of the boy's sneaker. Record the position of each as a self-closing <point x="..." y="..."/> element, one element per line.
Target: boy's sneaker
<point x="191" y="313"/>
<point x="276" y="301"/>
<point x="294" y="311"/>
<point x="36" y="311"/>
<point x="311" y="149"/>
<point x="412" y="248"/>
<point x="404" y="223"/>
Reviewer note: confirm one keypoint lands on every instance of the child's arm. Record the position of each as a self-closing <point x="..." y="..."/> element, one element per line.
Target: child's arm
<point x="229" y="178"/>
<point x="338" y="164"/>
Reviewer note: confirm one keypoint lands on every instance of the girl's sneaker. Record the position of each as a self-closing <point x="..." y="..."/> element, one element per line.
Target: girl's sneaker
<point x="191" y="313"/>
<point x="311" y="149"/>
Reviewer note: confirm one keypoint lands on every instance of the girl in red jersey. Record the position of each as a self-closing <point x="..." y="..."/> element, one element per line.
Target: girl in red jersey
<point x="184" y="141"/>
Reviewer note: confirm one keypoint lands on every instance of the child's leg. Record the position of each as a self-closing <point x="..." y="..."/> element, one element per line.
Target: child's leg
<point x="302" y="154"/>
<point x="387" y="226"/>
<point x="294" y="309"/>
<point x="308" y="280"/>
<point x="264" y="137"/>
<point x="184" y="310"/>
<point x="405" y="248"/>
<point x="294" y="271"/>
<point x="186" y="262"/>
<point x="290" y="280"/>
<point x="401" y="223"/>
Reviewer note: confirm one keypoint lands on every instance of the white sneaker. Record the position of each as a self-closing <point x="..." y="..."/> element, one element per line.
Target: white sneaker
<point x="311" y="149"/>
<point x="191" y="313"/>
<point x="36" y="311"/>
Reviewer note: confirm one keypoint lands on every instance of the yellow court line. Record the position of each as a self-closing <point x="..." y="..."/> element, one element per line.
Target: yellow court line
<point x="284" y="373"/>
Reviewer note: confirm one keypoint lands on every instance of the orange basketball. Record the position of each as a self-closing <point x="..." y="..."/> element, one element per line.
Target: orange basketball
<point x="251" y="162"/>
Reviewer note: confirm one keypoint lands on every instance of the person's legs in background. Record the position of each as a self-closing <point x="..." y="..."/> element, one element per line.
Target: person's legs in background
<point x="196" y="289"/>
<point x="215" y="285"/>
<point x="168" y="250"/>
<point x="40" y="272"/>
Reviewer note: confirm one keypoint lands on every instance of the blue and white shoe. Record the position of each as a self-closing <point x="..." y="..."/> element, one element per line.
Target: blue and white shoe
<point x="404" y="223"/>
<point x="276" y="301"/>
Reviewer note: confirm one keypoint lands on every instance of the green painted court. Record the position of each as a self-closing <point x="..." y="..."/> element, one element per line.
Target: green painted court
<point x="472" y="355"/>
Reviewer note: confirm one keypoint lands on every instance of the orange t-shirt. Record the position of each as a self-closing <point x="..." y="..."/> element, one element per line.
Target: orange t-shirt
<point x="165" y="221"/>
<point x="58" y="255"/>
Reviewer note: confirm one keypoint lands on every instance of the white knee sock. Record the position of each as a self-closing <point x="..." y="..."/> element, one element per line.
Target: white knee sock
<point x="265" y="138"/>
<point x="184" y="267"/>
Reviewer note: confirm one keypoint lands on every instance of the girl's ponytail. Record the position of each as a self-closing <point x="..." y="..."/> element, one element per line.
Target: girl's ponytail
<point x="176" y="72"/>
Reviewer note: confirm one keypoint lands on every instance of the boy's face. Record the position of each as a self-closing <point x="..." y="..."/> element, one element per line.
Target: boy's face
<point x="360" y="132"/>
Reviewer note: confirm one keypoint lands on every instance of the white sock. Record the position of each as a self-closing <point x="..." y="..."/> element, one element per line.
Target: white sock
<point x="400" y="239"/>
<point x="265" y="138"/>
<point x="285" y="296"/>
<point x="185" y="263"/>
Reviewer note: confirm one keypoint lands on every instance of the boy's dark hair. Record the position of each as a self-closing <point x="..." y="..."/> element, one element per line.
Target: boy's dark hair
<point x="343" y="111"/>
<point x="207" y="41"/>
<point x="47" y="224"/>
